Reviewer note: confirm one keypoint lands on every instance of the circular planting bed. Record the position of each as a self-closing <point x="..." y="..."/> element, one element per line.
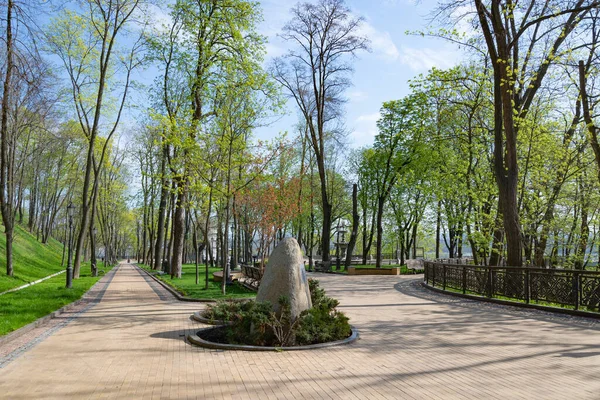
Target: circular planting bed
<point x="197" y="316"/>
<point x="214" y="338"/>
<point x="263" y="326"/>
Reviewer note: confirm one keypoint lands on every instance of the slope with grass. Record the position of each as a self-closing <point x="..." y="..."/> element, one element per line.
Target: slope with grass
<point x="22" y="307"/>
<point x="33" y="260"/>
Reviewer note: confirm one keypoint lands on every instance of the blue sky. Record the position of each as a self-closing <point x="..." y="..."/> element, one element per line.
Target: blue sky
<point x="380" y="75"/>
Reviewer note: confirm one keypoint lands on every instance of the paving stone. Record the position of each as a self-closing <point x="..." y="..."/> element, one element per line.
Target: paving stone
<point x="415" y="344"/>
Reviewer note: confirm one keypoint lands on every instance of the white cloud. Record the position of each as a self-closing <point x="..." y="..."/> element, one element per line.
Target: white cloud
<point x="365" y="129"/>
<point x="381" y="42"/>
<point x="357" y="95"/>
<point x="160" y="16"/>
<point x="425" y="58"/>
<point x="360" y="138"/>
<point x="400" y="2"/>
<point x="273" y="50"/>
<point x="372" y="118"/>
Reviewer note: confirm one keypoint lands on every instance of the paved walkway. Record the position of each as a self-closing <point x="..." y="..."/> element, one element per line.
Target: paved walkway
<point x="414" y="344"/>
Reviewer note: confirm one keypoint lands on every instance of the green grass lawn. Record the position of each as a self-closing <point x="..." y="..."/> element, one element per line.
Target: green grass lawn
<point x="187" y="284"/>
<point x="32" y="259"/>
<point x="22" y="307"/>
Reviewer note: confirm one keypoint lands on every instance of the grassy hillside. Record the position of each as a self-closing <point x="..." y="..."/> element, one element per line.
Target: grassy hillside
<point x="24" y="306"/>
<point x="32" y="259"/>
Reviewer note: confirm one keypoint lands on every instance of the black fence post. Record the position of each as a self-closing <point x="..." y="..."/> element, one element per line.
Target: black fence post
<point x="527" y="286"/>
<point x="577" y="288"/>
<point x="490" y="282"/>
<point x="444" y="278"/>
<point x="464" y="279"/>
<point x="433" y="268"/>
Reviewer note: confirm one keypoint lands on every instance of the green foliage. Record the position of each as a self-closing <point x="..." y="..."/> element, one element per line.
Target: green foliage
<point x="252" y="325"/>
<point x="322" y="323"/>
<point x="255" y="323"/>
<point x="222" y="310"/>
<point x="318" y="296"/>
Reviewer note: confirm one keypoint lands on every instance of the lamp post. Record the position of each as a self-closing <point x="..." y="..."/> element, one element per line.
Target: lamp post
<point x="212" y="252"/>
<point x="341" y="228"/>
<point x="70" y="211"/>
<point x="94" y="267"/>
<point x="233" y="256"/>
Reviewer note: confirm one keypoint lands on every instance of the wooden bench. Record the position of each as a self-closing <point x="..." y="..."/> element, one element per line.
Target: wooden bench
<point x="251" y="276"/>
<point x="323" y="266"/>
<point x="414" y="265"/>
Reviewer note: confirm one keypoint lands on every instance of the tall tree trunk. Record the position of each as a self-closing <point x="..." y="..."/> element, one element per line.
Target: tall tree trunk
<point x="5" y="195"/>
<point x="94" y="268"/>
<point x="32" y="202"/>
<point x="206" y="238"/>
<point x="587" y="116"/>
<point x="195" y="242"/>
<point x="438" y="223"/>
<point x="144" y="222"/>
<point x="172" y="219"/>
<point x="505" y="133"/>
<point x="326" y="238"/>
<point x="355" y="224"/>
<point x="379" y="245"/>
<point x="178" y="231"/>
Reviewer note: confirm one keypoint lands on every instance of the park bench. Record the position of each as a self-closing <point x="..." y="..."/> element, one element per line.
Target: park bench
<point x="251" y="276"/>
<point x="414" y="265"/>
<point x="323" y="266"/>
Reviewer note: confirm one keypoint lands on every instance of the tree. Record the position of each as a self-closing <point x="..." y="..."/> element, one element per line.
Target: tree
<point x="523" y="40"/>
<point x="5" y="188"/>
<point x="207" y="44"/>
<point x="396" y="147"/>
<point x="88" y="45"/>
<point x="24" y="107"/>
<point x="365" y="174"/>
<point x="315" y="74"/>
<point x="355" y="226"/>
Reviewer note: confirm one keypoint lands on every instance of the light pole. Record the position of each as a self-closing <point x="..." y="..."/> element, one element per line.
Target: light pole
<point x="337" y="247"/>
<point x="94" y="267"/>
<point x="341" y="228"/>
<point x="212" y="252"/>
<point x="233" y="257"/>
<point x="70" y="211"/>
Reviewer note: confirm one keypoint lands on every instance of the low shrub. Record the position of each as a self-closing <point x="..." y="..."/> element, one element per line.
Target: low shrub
<point x="222" y="310"/>
<point x="255" y="323"/>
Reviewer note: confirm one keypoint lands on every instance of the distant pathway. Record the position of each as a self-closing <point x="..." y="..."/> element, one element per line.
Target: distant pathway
<point x="414" y="344"/>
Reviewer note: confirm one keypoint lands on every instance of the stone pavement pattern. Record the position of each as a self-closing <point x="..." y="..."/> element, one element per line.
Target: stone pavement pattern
<point x="414" y="344"/>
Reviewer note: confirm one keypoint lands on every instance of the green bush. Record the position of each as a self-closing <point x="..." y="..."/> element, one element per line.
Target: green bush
<point x="251" y="325"/>
<point x="222" y="310"/>
<point x="255" y="323"/>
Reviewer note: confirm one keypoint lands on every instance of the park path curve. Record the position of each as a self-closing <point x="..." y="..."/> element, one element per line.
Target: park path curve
<point x="414" y="344"/>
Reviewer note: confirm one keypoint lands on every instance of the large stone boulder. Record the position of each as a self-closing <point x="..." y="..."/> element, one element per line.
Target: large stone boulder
<point x="285" y="276"/>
